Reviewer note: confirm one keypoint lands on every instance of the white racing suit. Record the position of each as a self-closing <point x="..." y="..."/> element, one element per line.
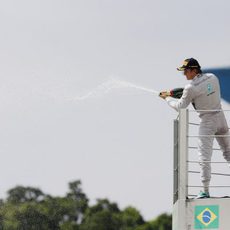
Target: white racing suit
<point x="204" y="92"/>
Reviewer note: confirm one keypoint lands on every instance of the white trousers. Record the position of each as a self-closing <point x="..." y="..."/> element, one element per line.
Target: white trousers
<point x="212" y="124"/>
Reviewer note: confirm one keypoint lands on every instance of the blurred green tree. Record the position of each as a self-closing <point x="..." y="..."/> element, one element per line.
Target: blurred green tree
<point x="28" y="208"/>
<point x="131" y="219"/>
<point x="104" y="216"/>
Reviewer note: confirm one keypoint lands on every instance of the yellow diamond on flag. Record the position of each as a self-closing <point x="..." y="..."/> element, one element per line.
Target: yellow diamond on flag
<point x="206" y="217"/>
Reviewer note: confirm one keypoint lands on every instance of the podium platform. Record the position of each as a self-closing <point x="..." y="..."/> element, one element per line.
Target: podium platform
<point x="213" y="213"/>
<point x="189" y="213"/>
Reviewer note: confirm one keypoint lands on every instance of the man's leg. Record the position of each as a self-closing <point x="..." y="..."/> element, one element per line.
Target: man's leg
<point x="224" y="142"/>
<point x="205" y="144"/>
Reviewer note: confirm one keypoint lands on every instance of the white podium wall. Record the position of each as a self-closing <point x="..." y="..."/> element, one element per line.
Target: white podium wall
<point x="189" y="213"/>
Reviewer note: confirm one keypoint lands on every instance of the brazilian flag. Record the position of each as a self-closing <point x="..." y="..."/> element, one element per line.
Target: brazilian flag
<point x="206" y="217"/>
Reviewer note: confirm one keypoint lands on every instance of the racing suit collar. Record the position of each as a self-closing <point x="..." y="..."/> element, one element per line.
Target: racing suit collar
<point x="197" y="76"/>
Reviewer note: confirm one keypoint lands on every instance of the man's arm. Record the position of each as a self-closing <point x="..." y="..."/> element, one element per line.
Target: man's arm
<point x="183" y="102"/>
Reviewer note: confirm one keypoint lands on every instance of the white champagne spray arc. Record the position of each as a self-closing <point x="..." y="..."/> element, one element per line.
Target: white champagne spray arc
<point x="110" y="84"/>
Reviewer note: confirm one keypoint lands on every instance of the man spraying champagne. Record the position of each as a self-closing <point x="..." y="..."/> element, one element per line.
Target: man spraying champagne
<point x="204" y="93"/>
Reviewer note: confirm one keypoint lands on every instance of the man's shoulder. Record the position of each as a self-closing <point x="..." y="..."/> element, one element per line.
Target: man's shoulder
<point x="209" y="75"/>
<point x="189" y="86"/>
<point x="189" y="89"/>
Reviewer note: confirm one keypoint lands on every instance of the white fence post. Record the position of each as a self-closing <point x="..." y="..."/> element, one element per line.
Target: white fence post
<point x="180" y="171"/>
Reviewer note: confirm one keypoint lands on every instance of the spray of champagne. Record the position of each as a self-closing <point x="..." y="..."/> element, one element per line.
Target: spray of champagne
<point x="113" y="83"/>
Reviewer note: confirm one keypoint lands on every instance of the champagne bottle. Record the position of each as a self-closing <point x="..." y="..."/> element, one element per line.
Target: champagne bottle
<point x="175" y="93"/>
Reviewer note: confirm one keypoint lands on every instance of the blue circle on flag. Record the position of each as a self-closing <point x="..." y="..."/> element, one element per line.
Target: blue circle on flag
<point x="206" y="217"/>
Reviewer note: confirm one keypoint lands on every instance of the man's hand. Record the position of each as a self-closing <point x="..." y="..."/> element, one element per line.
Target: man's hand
<point x="175" y="93"/>
<point x="164" y="94"/>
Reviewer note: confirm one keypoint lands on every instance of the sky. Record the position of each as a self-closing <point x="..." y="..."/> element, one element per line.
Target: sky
<point x="59" y="119"/>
